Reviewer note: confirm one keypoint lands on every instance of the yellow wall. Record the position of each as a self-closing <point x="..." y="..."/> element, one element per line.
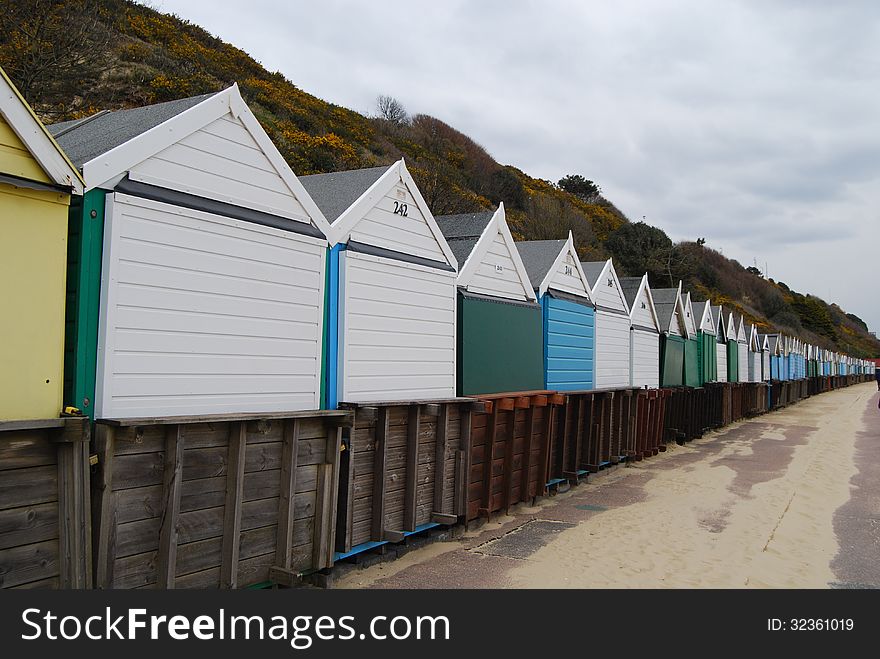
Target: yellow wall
<point x="15" y="158"/>
<point x="33" y="261"/>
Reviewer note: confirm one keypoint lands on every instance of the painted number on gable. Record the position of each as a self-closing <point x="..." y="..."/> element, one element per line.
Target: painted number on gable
<point x="400" y="209"/>
<point x="499" y="268"/>
<point x="569" y="270"/>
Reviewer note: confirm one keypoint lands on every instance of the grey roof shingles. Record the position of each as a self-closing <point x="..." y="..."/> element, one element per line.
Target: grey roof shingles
<point x="463" y="231"/>
<point x="334" y="193"/>
<point x="86" y="139"/>
<point x="630" y="287"/>
<point x="592" y="269"/>
<point x="664" y="305"/>
<point x="539" y="256"/>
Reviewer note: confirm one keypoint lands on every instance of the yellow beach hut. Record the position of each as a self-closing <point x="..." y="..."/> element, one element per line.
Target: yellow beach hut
<point x="36" y="184"/>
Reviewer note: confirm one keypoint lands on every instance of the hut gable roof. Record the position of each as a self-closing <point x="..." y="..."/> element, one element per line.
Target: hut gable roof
<point x="38" y="141"/>
<point x="482" y="270"/>
<point x="705" y="319"/>
<point x="86" y="139"/>
<point x="605" y="286"/>
<point x="670" y="310"/>
<point x="720" y="324"/>
<point x="640" y="299"/>
<point x="554" y="264"/>
<point x="194" y="135"/>
<point x="381" y="207"/>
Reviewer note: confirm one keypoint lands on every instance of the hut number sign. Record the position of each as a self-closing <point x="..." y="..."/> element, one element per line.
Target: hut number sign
<point x="401" y="209"/>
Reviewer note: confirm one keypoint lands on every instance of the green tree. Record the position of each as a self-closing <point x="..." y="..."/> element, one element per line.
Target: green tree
<point x="580" y="187"/>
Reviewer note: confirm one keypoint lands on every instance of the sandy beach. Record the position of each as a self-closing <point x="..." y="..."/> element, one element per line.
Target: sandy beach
<point x="783" y="501"/>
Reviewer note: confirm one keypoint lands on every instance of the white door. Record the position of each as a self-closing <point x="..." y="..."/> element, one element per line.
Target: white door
<point x="612" y="350"/>
<point x="721" y="361"/>
<point x="646" y="359"/>
<point x="203" y="314"/>
<point x="398" y="333"/>
<point x="743" y="362"/>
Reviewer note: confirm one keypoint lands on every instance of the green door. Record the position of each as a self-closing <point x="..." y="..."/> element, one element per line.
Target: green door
<point x="85" y="242"/>
<point x="707" y="357"/>
<point x="500" y="346"/>
<point x="671" y="360"/>
<point x="732" y="361"/>
<point x="692" y="363"/>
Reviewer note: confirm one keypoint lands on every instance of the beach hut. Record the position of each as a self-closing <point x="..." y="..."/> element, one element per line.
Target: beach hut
<point x="755" y="358"/>
<point x="720" y="343"/>
<point x="671" y="315"/>
<point x="774" y="346"/>
<point x="569" y="319"/>
<point x="732" y="350"/>
<point x="391" y="286"/>
<point x="209" y="294"/>
<point x="499" y="344"/>
<point x="707" y="348"/>
<point x="612" y="326"/>
<point x="36" y="184"/>
<point x="742" y="340"/>
<point x="644" y="333"/>
<point x="764" y="342"/>
<point x="692" y="344"/>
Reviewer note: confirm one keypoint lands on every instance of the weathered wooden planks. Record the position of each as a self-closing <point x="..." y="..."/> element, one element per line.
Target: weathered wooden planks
<point x="215" y="501"/>
<point x="45" y="514"/>
<point x="391" y="477"/>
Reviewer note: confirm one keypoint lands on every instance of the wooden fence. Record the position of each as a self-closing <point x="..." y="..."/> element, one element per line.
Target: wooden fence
<point x="510" y="460"/>
<point x="404" y="468"/>
<point x="215" y="501"/>
<point x="45" y="532"/>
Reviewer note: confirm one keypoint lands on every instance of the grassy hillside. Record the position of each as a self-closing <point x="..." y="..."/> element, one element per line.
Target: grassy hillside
<point x="72" y="58"/>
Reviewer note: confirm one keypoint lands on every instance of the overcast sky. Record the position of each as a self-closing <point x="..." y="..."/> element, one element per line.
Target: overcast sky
<point x="755" y="125"/>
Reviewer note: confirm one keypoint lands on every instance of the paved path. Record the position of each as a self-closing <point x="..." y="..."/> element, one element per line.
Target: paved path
<point x="791" y="499"/>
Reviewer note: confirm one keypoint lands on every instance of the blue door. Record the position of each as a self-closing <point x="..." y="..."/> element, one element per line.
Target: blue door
<point x="569" y="341"/>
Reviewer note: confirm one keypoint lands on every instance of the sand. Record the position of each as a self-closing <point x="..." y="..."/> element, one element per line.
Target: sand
<point x="777" y="535"/>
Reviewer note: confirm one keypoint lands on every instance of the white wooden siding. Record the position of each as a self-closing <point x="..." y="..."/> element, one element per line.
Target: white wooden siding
<point x="609" y="296"/>
<point x="612" y="350"/>
<point x="645" y="359"/>
<point x="489" y="280"/>
<point x="205" y="314"/>
<point x="398" y="335"/>
<point x="567" y="276"/>
<point x="765" y="373"/>
<point x="721" y="361"/>
<point x="642" y="315"/>
<point x="690" y="321"/>
<point x="754" y="366"/>
<point x="222" y="161"/>
<point x="381" y="227"/>
<point x="742" y="362"/>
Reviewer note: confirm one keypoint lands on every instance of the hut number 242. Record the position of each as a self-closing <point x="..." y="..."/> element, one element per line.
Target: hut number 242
<point x="400" y="209"/>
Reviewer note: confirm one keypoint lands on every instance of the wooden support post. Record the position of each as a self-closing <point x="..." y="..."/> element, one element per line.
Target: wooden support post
<point x="464" y="460"/>
<point x="104" y="511"/>
<point x="412" y="468"/>
<point x="377" y="528"/>
<point x="166" y="562"/>
<point x="440" y="450"/>
<point x="232" y="510"/>
<point x="526" y="466"/>
<point x="74" y="527"/>
<point x="563" y="450"/>
<point x="578" y="434"/>
<point x="323" y="508"/>
<point x="287" y="493"/>
<point x="488" y="459"/>
<point x="324" y="541"/>
<point x="507" y="474"/>
<point x="345" y="500"/>
<point x="544" y="463"/>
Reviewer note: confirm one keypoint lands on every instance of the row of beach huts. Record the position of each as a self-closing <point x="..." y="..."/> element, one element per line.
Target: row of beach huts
<point x="214" y="373"/>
